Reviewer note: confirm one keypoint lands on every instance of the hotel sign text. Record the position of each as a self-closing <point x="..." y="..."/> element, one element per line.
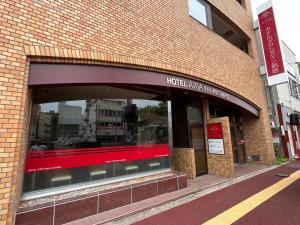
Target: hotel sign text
<point x="196" y="86"/>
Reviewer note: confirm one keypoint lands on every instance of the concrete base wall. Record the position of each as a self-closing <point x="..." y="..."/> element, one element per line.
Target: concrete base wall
<point x="60" y="211"/>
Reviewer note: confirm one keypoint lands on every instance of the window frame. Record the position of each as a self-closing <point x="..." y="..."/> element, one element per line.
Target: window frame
<point x="207" y="13"/>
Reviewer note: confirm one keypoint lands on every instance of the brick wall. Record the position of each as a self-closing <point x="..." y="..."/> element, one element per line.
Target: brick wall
<point x="156" y="35"/>
<point x="184" y="161"/>
<point x="236" y="13"/>
<point x="257" y="139"/>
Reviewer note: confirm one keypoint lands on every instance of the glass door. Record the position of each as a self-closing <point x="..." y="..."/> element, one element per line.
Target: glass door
<point x="234" y="142"/>
<point x="197" y="137"/>
<point x="237" y="139"/>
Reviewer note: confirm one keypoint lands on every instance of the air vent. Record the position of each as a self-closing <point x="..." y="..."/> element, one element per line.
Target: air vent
<point x="255" y="157"/>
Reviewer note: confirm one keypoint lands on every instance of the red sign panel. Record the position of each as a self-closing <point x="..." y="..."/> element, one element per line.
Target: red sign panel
<point x="214" y="131"/>
<point x="45" y="160"/>
<point x="270" y="41"/>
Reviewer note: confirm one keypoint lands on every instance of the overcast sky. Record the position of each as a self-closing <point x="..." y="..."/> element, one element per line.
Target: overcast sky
<point x="288" y="21"/>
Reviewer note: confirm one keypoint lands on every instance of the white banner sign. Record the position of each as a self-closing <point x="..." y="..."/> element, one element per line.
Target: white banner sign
<point x="216" y="146"/>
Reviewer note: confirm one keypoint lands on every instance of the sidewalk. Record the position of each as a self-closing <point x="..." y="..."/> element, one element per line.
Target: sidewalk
<point x="262" y="199"/>
<point x="201" y="186"/>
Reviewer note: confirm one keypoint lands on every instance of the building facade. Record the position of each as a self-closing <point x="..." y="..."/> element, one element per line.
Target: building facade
<point x="283" y="101"/>
<point x="99" y="97"/>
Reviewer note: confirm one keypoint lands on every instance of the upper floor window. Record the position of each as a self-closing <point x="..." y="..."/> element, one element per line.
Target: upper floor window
<point x="198" y="10"/>
<point x="229" y="31"/>
<point x="215" y="20"/>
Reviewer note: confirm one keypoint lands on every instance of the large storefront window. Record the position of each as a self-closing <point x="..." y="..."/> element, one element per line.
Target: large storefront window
<point x="73" y="141"/>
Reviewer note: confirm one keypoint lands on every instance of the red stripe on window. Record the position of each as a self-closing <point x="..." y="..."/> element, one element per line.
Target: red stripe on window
<point x="46" y="160"/>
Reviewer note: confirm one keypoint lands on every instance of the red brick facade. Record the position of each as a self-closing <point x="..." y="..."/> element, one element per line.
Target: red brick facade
<point x="154" y="35"/>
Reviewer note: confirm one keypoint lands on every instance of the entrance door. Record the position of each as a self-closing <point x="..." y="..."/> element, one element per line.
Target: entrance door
<point x="234" y="142"/>
<point x="237" y="139"/>
<point x="197" y="138"/>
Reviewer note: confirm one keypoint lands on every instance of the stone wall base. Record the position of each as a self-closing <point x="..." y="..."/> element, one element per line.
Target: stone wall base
<point x="67" y="210"/>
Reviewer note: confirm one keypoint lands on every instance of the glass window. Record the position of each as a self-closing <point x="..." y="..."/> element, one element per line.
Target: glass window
<point x="293" y="88"/>
<point x="197" y="10"/>
<point x="71" y="143"/>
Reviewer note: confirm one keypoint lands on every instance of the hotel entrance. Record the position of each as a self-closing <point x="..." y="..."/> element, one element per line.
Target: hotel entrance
<point x="197" y="137"/>
<point x="236" y="129"/>
<point x="237" y="139"/>
<point x="188" y="130"/>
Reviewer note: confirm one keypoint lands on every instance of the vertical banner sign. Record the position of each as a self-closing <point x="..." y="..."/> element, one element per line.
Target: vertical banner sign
<point x="271" y="44"/>
<point x="215" y="138"/>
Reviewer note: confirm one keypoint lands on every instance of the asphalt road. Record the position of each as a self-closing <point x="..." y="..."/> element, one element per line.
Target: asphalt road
<point x="283" y="208"/>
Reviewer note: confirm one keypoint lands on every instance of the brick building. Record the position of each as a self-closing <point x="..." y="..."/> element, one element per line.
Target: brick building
<point x="99" y="97"/>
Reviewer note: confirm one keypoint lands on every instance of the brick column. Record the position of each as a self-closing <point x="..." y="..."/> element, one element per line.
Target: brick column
<point x="14" y="107"/>
<point x="220" y="165"/>
<point x="184" y="161"/>
<point x="258" y="141"/>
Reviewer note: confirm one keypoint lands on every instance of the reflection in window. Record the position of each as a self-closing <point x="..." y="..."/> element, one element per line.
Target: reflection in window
<point x="93" y="139"/>
<point x="197" y="10"/>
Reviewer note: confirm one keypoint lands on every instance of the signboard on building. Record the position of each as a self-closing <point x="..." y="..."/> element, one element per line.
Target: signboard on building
<point x="271" y="43"/>
<point x="215" y="138"/>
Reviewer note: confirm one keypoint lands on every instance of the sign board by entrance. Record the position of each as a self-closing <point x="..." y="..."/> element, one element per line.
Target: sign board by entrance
<point x="215" y="138"/>
<point x="271" y="44"/>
